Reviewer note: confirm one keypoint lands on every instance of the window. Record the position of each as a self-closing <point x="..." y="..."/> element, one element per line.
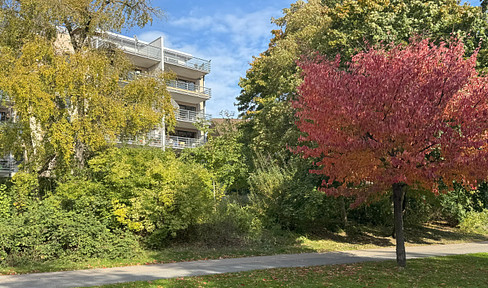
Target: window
<point x="3" y="116"/>
<point x="186" y="134"/>
<point x="189" y="108"/>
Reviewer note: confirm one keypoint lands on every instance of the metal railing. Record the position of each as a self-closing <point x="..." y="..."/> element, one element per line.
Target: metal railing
<point x="133" y="46"/>
<point x="8" y="166"/>
<point x="195" y="63"/>
<point x="4" y="98"/>
<point x="175" y="142"/>
<point x="190" y="116"/>
<point x="141" y="48"/>
<point x="189" y="86"/>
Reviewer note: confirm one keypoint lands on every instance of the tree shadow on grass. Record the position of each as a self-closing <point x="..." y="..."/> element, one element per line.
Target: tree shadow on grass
<point x="436" y="233"/>
<point x="440" y="233"/>
<point x="357" y="235"/>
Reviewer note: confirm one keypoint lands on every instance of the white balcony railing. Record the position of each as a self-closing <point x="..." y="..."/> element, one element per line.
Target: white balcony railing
<point x="172" y="57"/>
<point x="189" y="86"/>
<point x="175" y="142"/>
<point x="141" y="48"/>
<point x="8" y="166"/>
<point x="190" y="116"/>
<point x="132" y="46"/>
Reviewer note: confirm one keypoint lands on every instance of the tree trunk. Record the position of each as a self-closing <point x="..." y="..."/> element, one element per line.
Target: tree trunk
<point x="80" y="154"/>
<point x="398" y="194"/>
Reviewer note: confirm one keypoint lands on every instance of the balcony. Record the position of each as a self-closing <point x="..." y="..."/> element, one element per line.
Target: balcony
<point x="187" y="61"/>
<point x="141" y="53"/>
<point x="190" y="116"/>
<point x="175" y="142"/>
<point x="134" y="46"/>
<point x="8" y="166"/>
<point x="4" y="98"/>
<point x="190" y="87"/>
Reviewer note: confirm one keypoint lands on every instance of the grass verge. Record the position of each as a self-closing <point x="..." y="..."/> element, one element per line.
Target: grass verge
<point x="453" y="271"/>
<point x="355" y="237"/>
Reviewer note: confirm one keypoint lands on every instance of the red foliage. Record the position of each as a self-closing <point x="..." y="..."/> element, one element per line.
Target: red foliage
<point x="413" y="114"/>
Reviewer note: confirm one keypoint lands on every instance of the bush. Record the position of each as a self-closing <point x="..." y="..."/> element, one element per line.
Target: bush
<point x="378" y="213"/>
<point x="476" y="222"/>
<point x="230" y="224"/>
<point x="455" y="204"/>
<point x="5" y="202"/>
<point x="73" y="221"/>
<point x="153" y="193"/>
<point x="286" y="195"/>
<point x="420" y="207"/>
<point x="458" y="203"/>
<point x="45" y="232"/>
<point x="84" y="196"/>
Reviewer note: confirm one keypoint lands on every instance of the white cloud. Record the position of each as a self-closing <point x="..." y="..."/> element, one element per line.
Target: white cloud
<point x="229" y="40"/>
<point x="149" y="36"/>
<point x="194" y="23"/>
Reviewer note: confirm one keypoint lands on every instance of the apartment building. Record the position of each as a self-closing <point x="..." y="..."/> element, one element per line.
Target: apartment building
<point x="8" y="165"/>
<point x="188" y="91"/>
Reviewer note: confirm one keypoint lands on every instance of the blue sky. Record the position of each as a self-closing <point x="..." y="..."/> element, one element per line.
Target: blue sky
<point x="227" y="32"/>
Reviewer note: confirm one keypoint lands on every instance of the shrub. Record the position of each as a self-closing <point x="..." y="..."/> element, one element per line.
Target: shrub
<point x="420" y="207"/>
<point x="84" y="196"/>
<point x="230" y="224"/>
<point x="5" y="202"/>
<point x="222" y="156"/>
<point x="476" y="222"/>
<point x="456" y="204"/>
<point x="286" y="195"/>
<point x="46" y="231"/>
<point x="153" y="193"/>
<point x="378" y="213"/>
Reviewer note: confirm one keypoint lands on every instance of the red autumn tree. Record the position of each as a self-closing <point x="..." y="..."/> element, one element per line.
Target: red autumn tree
<point x="413" y="115"/>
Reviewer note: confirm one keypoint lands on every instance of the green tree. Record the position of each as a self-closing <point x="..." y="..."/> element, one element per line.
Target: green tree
<point x="222" y="155"/>
<point x="339" y="27"/>
<point x="23" y="19"/>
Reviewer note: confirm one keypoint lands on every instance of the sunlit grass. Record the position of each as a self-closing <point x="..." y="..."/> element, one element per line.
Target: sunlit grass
<point x="453" y="271"/>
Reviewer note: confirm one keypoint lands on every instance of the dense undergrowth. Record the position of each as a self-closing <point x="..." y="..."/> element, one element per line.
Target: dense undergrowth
<point x="130" y="201"/>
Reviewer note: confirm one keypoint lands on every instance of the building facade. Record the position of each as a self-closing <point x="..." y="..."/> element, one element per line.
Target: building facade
<point x="188" y="91"/>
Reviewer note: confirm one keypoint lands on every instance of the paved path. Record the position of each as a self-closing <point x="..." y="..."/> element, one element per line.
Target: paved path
<point x="84" y="278"/>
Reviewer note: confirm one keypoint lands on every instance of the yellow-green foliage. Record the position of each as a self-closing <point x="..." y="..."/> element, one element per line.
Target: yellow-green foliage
<point x="222" y="156"/>
<point x="153" y="192"/>
<point x="25" y="191"/>
<point x="476" y="222"/>
<point x="21" y="19"/>
<point x="70" y="104"/>
<point x="5" y="201"/>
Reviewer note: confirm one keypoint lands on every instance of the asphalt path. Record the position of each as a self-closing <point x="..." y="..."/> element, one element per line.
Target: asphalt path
<point x="93" y="277"/>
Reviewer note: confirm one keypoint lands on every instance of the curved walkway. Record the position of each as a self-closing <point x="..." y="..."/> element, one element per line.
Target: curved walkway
<point x="85" y="278"/>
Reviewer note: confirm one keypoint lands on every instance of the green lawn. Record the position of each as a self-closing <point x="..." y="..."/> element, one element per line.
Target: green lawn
<point x="453" y="271"/>
<point x="358" y="237"/>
